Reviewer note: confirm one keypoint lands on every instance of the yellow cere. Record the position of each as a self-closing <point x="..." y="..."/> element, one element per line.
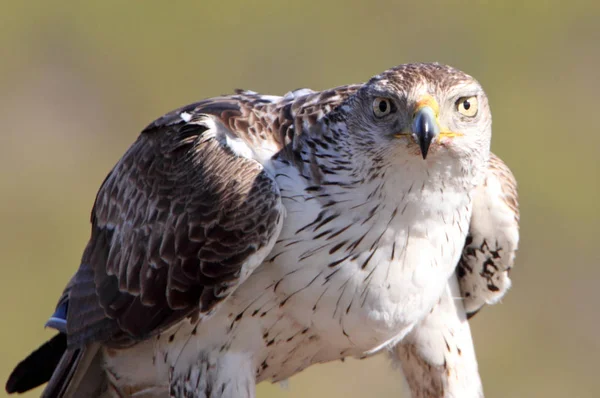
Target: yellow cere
<point x="428" y="100"/>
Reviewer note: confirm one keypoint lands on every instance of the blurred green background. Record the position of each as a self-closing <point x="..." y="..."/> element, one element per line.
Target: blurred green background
<point x="79" y="80"/>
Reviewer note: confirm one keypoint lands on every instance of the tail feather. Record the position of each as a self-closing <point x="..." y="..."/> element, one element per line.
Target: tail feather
<point x="74" y="366"/>
<point x="38" y="367"/>
<point x="70" y="372"/>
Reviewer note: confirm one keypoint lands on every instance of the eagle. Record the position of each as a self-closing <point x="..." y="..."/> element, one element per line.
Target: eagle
<point x="246" y="237"/>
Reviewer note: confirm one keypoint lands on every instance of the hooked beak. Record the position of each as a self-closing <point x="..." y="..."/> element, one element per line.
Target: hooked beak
<point x="425" y="128"/>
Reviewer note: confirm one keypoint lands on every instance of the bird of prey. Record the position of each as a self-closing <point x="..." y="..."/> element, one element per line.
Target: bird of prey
<point x="246" y="237"/>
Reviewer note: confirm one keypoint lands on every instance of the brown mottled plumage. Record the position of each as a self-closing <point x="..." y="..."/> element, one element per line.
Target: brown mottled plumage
<point x="164" y="240"/>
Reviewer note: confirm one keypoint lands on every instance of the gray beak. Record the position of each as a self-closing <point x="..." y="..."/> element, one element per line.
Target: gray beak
<point x="425" y="128"/>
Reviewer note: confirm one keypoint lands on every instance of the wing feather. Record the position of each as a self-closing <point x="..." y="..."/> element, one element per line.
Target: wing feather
<point x="177" y="225"/>
<point x="493" y="239"/>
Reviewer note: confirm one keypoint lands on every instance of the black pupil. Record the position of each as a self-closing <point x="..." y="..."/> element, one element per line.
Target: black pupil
<point x="466" y="104"/>
<point x="382" y="106"/>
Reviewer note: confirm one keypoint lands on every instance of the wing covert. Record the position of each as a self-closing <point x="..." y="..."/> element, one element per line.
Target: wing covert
<point x="177" y="225"/>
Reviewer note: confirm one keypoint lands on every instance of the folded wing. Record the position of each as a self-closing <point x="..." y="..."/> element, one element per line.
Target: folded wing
<point x="493" y="239"/>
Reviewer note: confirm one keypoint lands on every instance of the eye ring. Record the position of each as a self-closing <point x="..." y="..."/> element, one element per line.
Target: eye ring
<point x="467" y="106"/>
<point x="382" y="107"/>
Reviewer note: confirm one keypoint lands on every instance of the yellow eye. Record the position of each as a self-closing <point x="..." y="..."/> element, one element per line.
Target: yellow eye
<point x="467" y="106"/>
<point x="381" y="107"/>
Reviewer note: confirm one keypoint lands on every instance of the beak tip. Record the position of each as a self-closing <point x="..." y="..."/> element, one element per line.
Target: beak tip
<point x="425" y="129"/>
<point x="424" y="150"/>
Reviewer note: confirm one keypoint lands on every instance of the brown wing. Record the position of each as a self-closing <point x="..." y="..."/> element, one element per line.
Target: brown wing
<point x="177" y="225"/>
<point x="493" y="239"/>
